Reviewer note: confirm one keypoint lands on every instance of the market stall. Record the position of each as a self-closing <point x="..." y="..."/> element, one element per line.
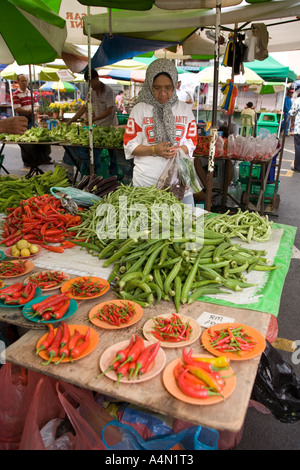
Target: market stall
<point x="252" y="305"/>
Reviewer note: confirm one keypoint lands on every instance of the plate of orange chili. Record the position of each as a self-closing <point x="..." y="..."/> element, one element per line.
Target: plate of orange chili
<point x="115" y="314"/>
<point x="236" y="341"/>
<point x="153" y="370"/>
<point x="172" y="330"/>
<point x="82" y="330"/>
<point x="85" y="287"/>
<point x="15" y="268"/>
<point x="170" y="383"/>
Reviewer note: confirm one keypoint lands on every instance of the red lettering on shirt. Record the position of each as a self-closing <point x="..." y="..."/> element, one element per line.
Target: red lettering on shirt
<point x="148" y="120"/>
<point x="192" y="132"/>
<point x="131" y="131"/>
<point x="181" y="119"/>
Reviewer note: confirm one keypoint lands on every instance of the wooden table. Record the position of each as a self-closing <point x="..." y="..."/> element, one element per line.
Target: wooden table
<point x="228" y="415"/>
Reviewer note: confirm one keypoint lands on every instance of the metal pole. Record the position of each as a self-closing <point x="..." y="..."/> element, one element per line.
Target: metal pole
<point x="213" y="129"/>
<point x="232" y="71"/>
<point x="31" y="96"/>
<point x="11" y="99"/>
<point x="89" y="104"/>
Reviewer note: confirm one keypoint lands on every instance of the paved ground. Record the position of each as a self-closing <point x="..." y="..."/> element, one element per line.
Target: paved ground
<point x="261" y="431"/>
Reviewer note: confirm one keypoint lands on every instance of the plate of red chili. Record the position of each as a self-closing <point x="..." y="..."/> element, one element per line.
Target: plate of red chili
<point x="170" y="383"/>
<point x="236" y="341"/>
<point x="54" y="309"/>
<point x="85" y="287"/>
<point x="115" y="314"/>
<point x="86" y="340"/>
<point x="15" y="268"/>
<point x="173" y="330"/>
<point x="16" y="295"/>
<point x="153" y="370"/>
<point x="8" y="254"/>
<point x="48" y="280"/>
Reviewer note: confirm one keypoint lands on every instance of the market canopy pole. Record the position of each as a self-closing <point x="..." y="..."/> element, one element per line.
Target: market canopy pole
<point x="89" y="103"/>
<point x="214" y="128"/>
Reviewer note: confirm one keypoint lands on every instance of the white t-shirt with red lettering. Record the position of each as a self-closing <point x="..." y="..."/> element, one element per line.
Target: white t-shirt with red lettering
<point x="139" y="131"/>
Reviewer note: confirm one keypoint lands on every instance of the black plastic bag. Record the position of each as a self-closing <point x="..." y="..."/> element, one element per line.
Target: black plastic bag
<point x="277" y="387"/>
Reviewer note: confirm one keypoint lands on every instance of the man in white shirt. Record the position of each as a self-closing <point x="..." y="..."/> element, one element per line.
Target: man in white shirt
<point x="295" y="111"/>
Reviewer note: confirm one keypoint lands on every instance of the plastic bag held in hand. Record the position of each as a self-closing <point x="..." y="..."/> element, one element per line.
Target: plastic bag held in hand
<point x="171" y="178"/>
<point x="188" y="172"/>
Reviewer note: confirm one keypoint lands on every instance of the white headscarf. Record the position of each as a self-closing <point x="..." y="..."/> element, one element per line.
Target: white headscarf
<point x="164" y="124"/>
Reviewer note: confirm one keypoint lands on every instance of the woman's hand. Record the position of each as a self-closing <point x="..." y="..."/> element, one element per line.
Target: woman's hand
<point x="165" y="150"/>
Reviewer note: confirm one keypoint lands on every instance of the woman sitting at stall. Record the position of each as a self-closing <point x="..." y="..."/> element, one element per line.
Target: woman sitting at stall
<point x="159" y="124"/>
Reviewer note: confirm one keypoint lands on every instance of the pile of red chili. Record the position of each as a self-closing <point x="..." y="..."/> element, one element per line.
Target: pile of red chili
<point x="12" y="268"/>
<point x="203" y="143"/>
<point x="116" y="314"/>
<point x="199" y="377"/>
<point x="52" y="307"/>
<point x="18" y="294"/>
<point x="134" y="360"/>
<point x="231" y="339"/>
<point x="85" y="287"/>
<point x="48" y="279"/>
<point x="171" y="329"/>
<point x="40" y="220"/>
<point x="60" y="343"/>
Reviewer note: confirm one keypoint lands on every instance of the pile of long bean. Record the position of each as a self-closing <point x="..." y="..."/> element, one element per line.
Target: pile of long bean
<point x="148" y="270"/>
<point x="245" y="225"/>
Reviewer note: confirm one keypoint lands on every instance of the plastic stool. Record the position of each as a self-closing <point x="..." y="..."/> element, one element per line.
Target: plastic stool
<point x="247" y="127"/>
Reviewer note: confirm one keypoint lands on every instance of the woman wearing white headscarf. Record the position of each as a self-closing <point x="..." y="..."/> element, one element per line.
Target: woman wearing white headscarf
<point x="158" y="125"/>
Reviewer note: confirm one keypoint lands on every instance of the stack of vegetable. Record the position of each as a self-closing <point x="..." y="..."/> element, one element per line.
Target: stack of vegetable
<point x="114" y="314"/>
<point x="203" y="144"/>
<point x="85" y="287"/>
<point x="98" y="185"/>
<point x="199" y="377"/>
<point x="13" y="190"/>
<point x="61" y="344"/>
<point x="39" y="220"/>
<point x="48" y="279"/>
<point x="171" y="329"/>
<point x="18" y="293"/>
<point x="35" y="134"/>
<point x="52" y="307"/>
<point x="147" y="268"/>
<point x="23" y="248"/>
<point x="231" y="339"/>
<point x="103" y="136"/>
<point x="12" y="268"/>
<point x="245" y="225"/>
<point x="134" y="360"/>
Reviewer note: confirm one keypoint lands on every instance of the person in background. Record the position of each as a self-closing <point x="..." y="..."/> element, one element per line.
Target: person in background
<point x="104" y="114"/>
<point x="14" y="125"/>
<point x="158" y="125"/>
<point x="32" y="155"/>
<point x="22" y="100"/>
<point x="120" y="102"/>
<point x="285" y="125"/>
<point x="249" y="112"/>
<point x="184" y="94"/>
<point x="295" y="111"/>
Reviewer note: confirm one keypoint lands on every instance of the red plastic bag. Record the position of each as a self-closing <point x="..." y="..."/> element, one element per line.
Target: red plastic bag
<point x="56" y="399"/>
<point x="90" y="418"/>
<point x="44" y="407"/>
<point x="17" y="386"/>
